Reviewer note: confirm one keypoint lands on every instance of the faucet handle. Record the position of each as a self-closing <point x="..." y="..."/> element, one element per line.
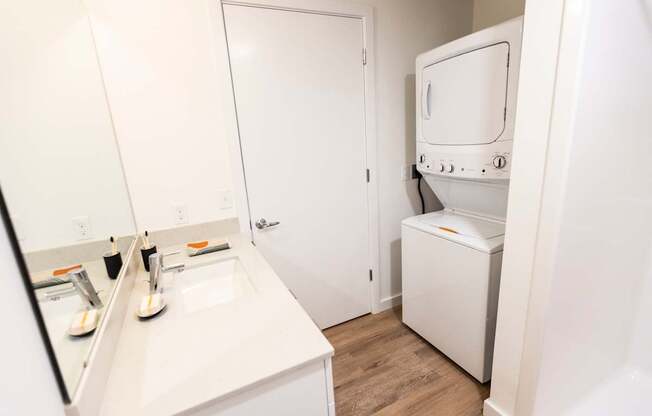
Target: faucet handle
<point x="169" y="253"/>
<point x="178" y="267"/>
<point x="156" y="259"/>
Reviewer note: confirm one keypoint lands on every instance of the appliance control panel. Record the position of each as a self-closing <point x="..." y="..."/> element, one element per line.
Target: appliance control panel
<point x="495" y="164"/>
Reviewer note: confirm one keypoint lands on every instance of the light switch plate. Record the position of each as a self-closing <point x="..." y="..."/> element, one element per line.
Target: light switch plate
<point x="180" y="212"/>
<point x="225" y="199"/>
<point x="82" y="228"/>
<point x="406" y="172"/>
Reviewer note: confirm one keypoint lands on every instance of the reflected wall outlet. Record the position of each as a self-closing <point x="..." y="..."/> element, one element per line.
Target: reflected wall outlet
<point x="225" y="199"/>
<point x="180" y="212"/>
<point x="82" y="227"/>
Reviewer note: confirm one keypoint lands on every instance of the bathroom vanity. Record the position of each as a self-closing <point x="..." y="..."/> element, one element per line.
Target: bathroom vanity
<point x="232" y="340"/>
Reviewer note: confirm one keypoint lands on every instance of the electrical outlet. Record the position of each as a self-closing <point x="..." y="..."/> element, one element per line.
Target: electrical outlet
<point x="82" y="228"/>
<point x="180" y="212"/>
<point x="225" y="199"/>
<point x="405" y="172"/>
<point x="414" y="173"/>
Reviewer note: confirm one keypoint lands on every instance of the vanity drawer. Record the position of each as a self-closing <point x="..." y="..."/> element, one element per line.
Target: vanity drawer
<point x="303" y="391"/>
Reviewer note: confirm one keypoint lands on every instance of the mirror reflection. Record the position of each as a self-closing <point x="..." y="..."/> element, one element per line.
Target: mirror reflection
<point x="61" y="176"/>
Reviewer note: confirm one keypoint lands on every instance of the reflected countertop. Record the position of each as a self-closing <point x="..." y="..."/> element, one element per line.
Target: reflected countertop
<point x="71" y="352"/>
<point x="190" y="357"/>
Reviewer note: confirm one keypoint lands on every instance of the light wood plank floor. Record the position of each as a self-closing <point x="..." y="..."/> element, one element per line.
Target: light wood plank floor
<point x="382" y="367"/>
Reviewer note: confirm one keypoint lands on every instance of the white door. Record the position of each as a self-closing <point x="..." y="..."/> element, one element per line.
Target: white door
<point x="299" y="91"/>
<point x="463" y="98"/>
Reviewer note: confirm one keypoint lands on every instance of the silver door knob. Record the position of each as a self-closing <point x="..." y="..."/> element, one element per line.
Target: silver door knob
<point x="262" y="223"/>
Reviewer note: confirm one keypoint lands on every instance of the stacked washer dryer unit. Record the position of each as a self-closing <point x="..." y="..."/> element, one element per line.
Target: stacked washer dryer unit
<point x="466" y="92"/>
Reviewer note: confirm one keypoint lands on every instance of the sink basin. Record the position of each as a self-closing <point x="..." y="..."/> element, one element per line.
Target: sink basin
<point x="58" y="315"/>
<point x="212" y="284"/>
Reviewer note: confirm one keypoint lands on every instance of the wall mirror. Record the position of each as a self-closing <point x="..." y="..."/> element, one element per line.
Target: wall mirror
<point x="61" y="174"/>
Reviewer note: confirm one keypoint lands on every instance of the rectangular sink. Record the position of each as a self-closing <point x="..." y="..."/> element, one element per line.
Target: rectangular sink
<point x="213" y="284"/>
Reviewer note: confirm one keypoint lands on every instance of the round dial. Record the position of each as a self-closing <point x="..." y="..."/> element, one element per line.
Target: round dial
<point x="499" y="162"/>
<point x="442" y="168"/>
<point x="422" y="158"/>
<point x="450" y="168"/>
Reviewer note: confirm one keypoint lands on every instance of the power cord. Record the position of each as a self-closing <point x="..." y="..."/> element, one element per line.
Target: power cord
<point x="423" y="204"/>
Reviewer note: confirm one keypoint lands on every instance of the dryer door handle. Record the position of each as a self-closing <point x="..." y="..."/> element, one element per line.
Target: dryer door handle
<point x="426" y="94"/>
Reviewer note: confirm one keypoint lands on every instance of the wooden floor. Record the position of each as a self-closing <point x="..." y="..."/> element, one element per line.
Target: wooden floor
<point x="381" y="367"/>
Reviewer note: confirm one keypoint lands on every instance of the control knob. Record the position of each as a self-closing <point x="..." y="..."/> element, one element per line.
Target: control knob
<point x="442" y="168"/>
<point x="499" y="162"/>
<point x="422" y="158"/>
<point x="450" y="168"/>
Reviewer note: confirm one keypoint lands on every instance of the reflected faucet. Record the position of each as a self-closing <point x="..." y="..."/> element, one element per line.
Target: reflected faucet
<point x="85" y="289"/>
<point x="156" y="267"/>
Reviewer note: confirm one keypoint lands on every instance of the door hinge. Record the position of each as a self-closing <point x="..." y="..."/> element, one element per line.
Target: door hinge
<point x="368" y="176"/>
<point x="371" y="275"/>
<point x="364" y="56"/>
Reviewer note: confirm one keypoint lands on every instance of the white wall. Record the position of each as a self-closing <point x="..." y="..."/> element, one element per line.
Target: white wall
<point x="641" y="342"/>
<point x="58" y="156"/>
<point x="28" y="383"/>
<point x="488" y="13"/>
<point x="173" y="102"/>
<point x="593" y="260"/>
<point x="167" y="83"/>
<point x="534" y="107"/>
<point x="403" y="30"/>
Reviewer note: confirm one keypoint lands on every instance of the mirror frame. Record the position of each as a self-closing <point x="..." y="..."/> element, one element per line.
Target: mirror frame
<point x="22" y="266"/>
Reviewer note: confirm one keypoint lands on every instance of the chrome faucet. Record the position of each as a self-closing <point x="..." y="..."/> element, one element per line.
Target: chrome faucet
<point x="84" y="288"/>
<point x="156" y="267"/>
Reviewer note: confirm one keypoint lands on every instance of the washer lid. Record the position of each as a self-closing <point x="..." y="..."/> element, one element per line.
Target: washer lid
<point x="480" y="234"/>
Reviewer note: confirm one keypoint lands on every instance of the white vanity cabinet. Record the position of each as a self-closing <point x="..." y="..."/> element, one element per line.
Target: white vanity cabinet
<point x="253" y="352"/>
<point x="306" y="391"/>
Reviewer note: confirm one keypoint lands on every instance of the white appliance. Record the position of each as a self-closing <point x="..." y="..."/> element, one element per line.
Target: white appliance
<point x="451" y="258"/>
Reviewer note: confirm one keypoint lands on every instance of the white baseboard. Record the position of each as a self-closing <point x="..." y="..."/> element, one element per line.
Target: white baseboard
<point x="389" y="302"/>
<point x="491" y="409"/>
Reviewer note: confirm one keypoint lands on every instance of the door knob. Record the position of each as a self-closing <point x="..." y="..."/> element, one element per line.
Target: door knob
<point x="262" y="223"/>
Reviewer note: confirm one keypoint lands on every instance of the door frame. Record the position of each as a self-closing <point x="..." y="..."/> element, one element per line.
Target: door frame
<point x="332" y="8"/>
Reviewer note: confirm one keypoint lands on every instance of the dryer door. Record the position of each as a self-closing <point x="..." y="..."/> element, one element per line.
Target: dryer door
<point x="463" y="98"/>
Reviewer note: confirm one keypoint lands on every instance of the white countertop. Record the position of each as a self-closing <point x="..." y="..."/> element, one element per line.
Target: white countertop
<point x="181" y="359"/>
